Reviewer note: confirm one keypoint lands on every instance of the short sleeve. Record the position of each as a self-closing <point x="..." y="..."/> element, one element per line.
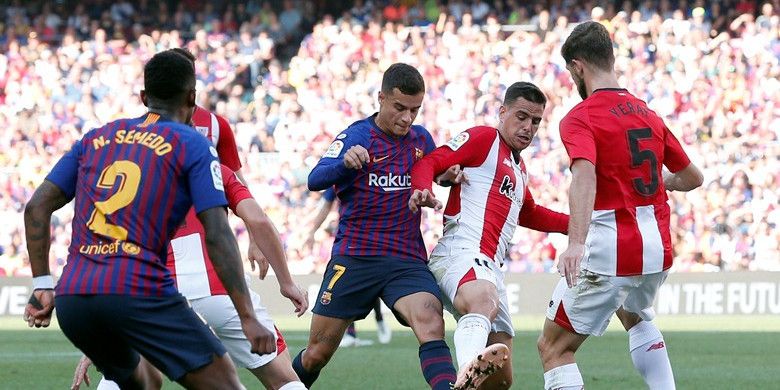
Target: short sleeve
<point x="235" y="190"/>
<point x="578" y="138"/>
<point x="65" y="173"/>
<point x="226" y="145"/>
<point x="204" y="175"/>
<point x="674" y="156"/>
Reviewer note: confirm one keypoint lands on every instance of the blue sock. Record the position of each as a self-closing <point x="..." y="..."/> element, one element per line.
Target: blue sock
<point x="351" y="330"/>
<point x="436" y="363"/>
<point x="306" y="377"/>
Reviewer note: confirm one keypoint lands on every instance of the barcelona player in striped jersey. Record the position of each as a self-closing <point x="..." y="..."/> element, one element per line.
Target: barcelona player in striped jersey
<point x="620" y="248"/>
<point x="378" y="250"/>
<point x="133" y="180"/>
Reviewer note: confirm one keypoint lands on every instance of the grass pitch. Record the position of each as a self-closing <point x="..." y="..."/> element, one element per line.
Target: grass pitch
<point x="707" y="352"/>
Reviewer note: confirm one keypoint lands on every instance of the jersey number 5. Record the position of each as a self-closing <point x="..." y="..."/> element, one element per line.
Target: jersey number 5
<point x="639" y="156"/>
<point x="130" y="175"/>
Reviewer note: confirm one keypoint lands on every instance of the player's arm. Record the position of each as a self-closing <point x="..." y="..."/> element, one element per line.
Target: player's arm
<point x="687" y="179"/>
<point x="580" y="144"/>
<point x="47" y="199"/>
<point x="340" y="163"/>
<point x="56" y="191"/>
<point x="206" y="188"/>
<point x="683" y="175"/>
<point x="541" y="218"/>
<point x="466" y="149"/>
<point x="267" y="238"/>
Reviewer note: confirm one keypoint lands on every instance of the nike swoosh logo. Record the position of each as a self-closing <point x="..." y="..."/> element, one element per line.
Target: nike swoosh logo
<point x="376" y="160"/>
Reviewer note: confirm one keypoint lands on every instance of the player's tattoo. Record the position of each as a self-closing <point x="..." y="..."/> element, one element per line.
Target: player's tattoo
<point x="326" y="338"/>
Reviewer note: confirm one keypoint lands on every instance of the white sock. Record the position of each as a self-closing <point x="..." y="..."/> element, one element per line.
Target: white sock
<point x="106" y="384"/>
<point x="648" y="352"/>
<point x="293" y="386"/>
<point x="566" y="377"/>
<point x="470" y="337"/>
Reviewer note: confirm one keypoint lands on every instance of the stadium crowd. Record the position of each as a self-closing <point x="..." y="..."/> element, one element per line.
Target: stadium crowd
<point x="711" y="68"/>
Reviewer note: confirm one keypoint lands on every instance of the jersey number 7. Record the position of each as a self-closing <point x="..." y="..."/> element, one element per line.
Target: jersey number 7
<point x="639" y="156"/>
<point x="130" y="175"/>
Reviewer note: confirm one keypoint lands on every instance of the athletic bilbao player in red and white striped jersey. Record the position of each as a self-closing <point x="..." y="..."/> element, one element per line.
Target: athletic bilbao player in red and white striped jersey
<point x="620" y="248"/>
<point x="479" y="221"/>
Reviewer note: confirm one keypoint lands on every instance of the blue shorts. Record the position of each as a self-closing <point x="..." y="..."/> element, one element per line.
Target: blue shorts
<point x="114" y="330"/>
<point x="352" y="284"/>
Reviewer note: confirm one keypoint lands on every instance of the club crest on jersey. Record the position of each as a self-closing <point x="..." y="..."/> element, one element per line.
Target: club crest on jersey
<point x="418" y="153"/>
<point x="508" y="189"/>
<point x="325" y="298"/>
<point x="390" y="181"/>
<point x="458" y="141"/>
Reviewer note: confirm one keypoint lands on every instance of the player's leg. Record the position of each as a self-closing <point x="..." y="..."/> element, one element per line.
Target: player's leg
<point x="220" y="373"/>
<point x="574" y="313"/>
<point x="278" y="374"/>
<point x="413" y="295"/>
<point x="383" y="331"/>
<point x="645" y="342"/>
<point x="273" y="370"/>
<point x="349" y="287"/>
<point x="324" y="337"/>
<point x="502" y="379"/>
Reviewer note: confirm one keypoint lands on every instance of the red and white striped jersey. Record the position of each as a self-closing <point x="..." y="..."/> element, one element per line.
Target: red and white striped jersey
<point x="482" y="215"/>
<point x="188" y="259"/>
<point x="217" y="130"/>
<point x="628" y="144"/>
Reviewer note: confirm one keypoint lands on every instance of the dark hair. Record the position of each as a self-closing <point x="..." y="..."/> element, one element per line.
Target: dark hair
<point x="168" y="76"/>
<point x="404" y="77"/>
<point x="525" y="90"/>
<point x="186" y="53"/>
<point x="590" y="42"/>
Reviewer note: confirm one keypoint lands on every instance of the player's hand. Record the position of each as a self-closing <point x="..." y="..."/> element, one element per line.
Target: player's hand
<point x="423" y="198"/>
<point x="260" y="338"/>
<point x="39" y="308"/>
<point x="569" y="263"/>
<point x="297" y="296"/>
<point x="82" y="373"/>
<point x="453" y="175"/>
<point x="355" y="157"/>
<point x="255" y="255"/>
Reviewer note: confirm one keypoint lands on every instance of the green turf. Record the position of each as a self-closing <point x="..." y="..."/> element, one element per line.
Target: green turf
<point x="706" y="359"/>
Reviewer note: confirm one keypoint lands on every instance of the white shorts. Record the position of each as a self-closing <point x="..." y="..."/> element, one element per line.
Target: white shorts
<point x="587" y="307"/>
<point x="220" y="314"/>
<point x="452" y="271"/>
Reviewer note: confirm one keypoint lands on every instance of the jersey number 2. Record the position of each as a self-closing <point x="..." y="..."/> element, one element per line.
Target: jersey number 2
<point x="639" y="156"/>
<point x="130" y="175"/>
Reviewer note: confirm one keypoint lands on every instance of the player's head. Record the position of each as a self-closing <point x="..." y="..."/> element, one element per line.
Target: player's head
<point x="520" y="114"/>
<point x="169" y="84"/>
<point x="184" y="52"/>
<point x="588" y="51"/>
<point x="400" y="99"/>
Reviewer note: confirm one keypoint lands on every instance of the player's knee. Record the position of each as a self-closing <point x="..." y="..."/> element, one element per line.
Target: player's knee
<point x="316" y="358"/>
<point x="485" y="305"/>
<point x="544" y="346"/>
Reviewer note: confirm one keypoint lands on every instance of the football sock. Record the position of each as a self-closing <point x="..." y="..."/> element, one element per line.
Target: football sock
<point x="436" y="363"/>
<point x="378" y="311"/>
<point x="351" y="330"/>
<point x="470" y="337"/>
<point x="648" y="352"/>
<point x="566" y="377"/>
<point x="293" y="386"/>
<point x="306" y="377"/>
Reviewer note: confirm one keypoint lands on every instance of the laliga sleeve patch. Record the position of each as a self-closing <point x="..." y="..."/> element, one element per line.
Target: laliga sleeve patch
<point x="334" y="149"/>
<point x="458" y="141"/>
<point x="341" y="136"/>
<point x="213" y="151"/>
<point x="216" y="176"/>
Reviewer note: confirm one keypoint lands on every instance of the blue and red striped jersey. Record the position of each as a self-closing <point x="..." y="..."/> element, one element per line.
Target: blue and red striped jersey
<point x="374" y="219"/>
<point x="133" y="181"/>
